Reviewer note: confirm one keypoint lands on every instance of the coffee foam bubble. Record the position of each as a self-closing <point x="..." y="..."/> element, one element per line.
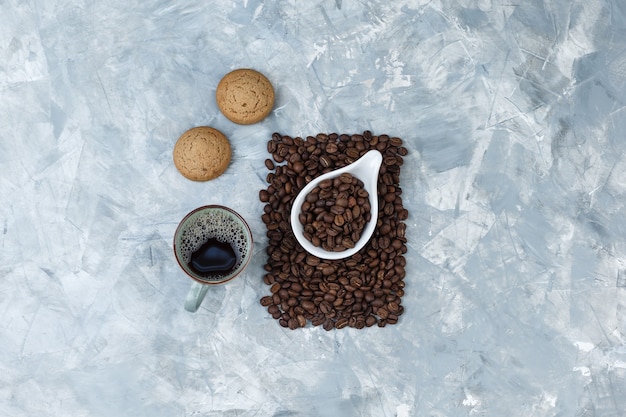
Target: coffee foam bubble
<point x="216" y="224"/>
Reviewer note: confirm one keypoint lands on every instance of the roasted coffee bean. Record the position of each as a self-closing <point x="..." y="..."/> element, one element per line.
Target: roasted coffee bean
<point x="377" y="302"/>
<point x="298" y="167"/>
<point x="341" y="323"/>
<point x="390" y="160"/>
<point x="283" y="293"/>
<point x="292" y="323"/>
<point x="354" y="292"/>
<point x="308" y="305"/>
<point x="325" y="307"/>
<point x="329" y="324"/>
<point x="353" y="153"/>
<point x="332" y="147"/>
<point x="275" y="288"/>
<point x="395" y="141"/>
<point x="360" y="323"/>
<point x="400" y="232"/>
<point x="325" y="161"/>
<point x="318" y="320"/>
<point x="382" y="313"/>
<point x="393" y="307"/>
<point x="328" y="270"/>
<point x="312" y="260"/>
<point x="356" y="282"/>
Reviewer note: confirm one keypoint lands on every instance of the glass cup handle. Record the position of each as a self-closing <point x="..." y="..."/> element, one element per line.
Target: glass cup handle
<point x="195" y="296"/>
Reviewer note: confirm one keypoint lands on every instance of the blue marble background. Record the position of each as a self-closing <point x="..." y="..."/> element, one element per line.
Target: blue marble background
<point x="514" y="115"/>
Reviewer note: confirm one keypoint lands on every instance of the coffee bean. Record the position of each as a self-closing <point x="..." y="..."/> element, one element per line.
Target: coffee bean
<point x="274" y="311"/>
<point x="308" y="305"/>
<point x="377" y="302"/>
<point x="325" y="161"/>
<point x="389" y="197"/>
<point x="312" y="260"/>
<point x="349" y="242"/>
<point x="271" y="145"/>
<point x="318" y="319"/>
<point x="393" y="307"/>
<point x="353" y="292"/>
<point x="329" y="324"/>
<point x="341" y="323"/>
<point x="382" y="313"/>
<point x="298" y="167"/>
<point x="353" y="153"/>
<point x="292" y="323"/>
<point x="390" y="160"/>
<point x="332" y="148"/>
<point x="356" y="282"/>
<point x="275" y="288"/>
<point x="328" y="270"/>
<point x="401" y="230"/>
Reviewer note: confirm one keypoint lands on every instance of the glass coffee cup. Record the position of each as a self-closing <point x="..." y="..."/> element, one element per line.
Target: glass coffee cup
<point x="212" y="245"/>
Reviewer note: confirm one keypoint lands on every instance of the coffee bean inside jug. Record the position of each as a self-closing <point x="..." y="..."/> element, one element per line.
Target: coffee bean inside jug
<point x="334" y="213"/>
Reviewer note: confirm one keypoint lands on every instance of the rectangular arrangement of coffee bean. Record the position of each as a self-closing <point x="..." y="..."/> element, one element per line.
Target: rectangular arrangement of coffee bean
<point x="363" y="290"/>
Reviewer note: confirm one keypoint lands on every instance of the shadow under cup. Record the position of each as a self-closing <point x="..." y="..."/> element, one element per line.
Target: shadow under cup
<point x="197" y="228"/>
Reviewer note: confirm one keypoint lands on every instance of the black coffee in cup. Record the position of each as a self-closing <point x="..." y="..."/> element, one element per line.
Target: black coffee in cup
<point x="212" y="244"/>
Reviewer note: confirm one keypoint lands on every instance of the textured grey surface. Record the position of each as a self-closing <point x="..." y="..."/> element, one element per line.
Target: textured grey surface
<point x="514" y="115"/>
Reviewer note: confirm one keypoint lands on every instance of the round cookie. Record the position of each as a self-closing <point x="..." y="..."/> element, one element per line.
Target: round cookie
<point x="245" y="96"/>
<point x="202" y="153"/>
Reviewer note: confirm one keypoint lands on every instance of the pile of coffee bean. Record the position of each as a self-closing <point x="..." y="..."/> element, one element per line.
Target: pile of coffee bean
<point x="335" y="212"/>
<point x="360" y="291"/>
